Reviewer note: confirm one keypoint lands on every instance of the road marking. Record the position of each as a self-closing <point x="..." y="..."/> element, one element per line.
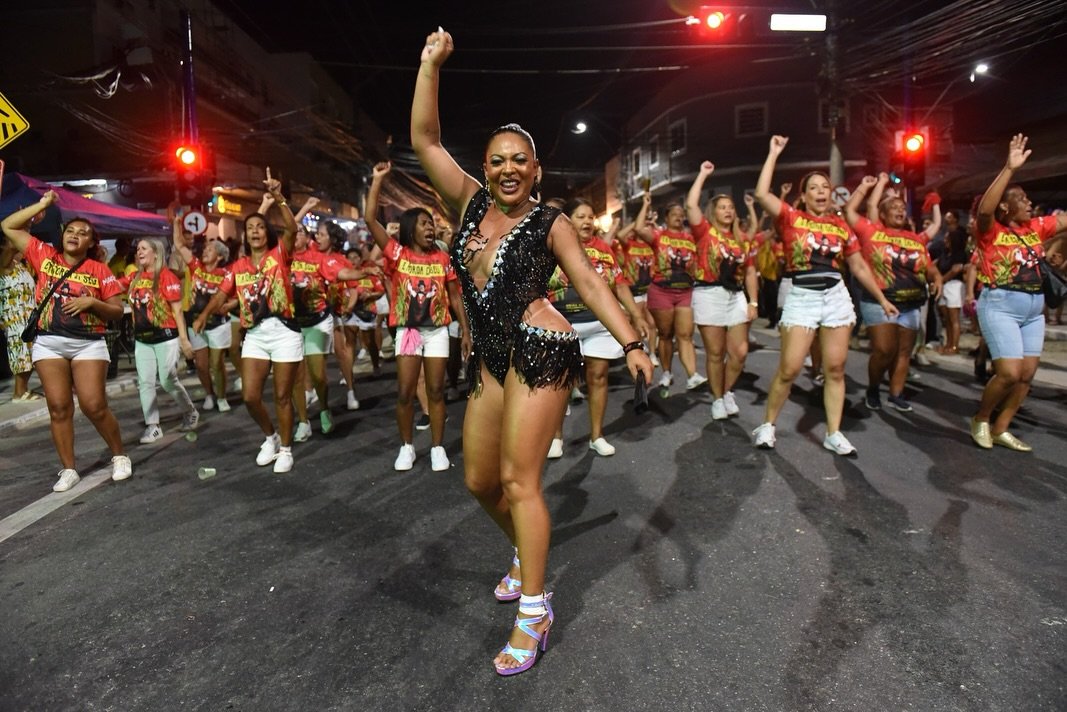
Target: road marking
<point x="15" y="523"/>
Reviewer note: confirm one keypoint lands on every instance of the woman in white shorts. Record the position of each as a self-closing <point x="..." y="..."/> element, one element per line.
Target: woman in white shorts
<point x="817" y="244"/>
<point x="69" y="352"/>
<point x="725" y="291"/>
<point x="424" y="290"/>
<point x="599" y="347"/>
<point x="260" y="281"/>
<point x="209" y="346"/>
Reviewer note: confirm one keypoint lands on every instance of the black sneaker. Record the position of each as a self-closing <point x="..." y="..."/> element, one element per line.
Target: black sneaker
<point x="900" y="403"/>
<point x="423" y="423"/>
<point x="873" y="400"/>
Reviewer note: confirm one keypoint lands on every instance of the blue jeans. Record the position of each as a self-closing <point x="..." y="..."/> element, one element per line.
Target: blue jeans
<point x="1013" y="323"/>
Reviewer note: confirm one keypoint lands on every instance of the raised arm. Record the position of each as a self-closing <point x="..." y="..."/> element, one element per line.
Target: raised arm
<point x="15" y="224"/>
<point x="770" y="202"/>
<point x="753" y="222"/>
<point x="641" y="221"/>
<point x="288" y="236"/>
<point x="935" y="220"/>
<point x="381" y="237"/>
<point x="852" y="215"/>
<point x="987" y="206"/>
<point x="180" y="245"/>
<point x="451" y="181"/>
<point x="306" y="208"/>
<point x="692" y="198"/>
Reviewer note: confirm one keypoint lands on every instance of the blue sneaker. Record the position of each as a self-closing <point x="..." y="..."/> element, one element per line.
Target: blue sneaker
<point x="873" y="400"/>
<point x="900" y="403"/>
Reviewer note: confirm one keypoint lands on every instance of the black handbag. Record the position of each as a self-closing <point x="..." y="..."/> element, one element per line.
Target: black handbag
<point x="29" y="334"/>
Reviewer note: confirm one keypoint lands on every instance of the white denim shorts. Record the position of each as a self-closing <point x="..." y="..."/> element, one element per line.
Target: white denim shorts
<point x="812" y="308"/>
<point x="48" y="346"/>
<point x="596" y="341"/>
<point x="785" y="285"/>
<point x="271" y="340"/>
<point x="219" y="337"/>
<point x="951" y="294"/>
<point x="425" y="341"/>
<point x="318" y="338"/>
<point x="718" y="306"/>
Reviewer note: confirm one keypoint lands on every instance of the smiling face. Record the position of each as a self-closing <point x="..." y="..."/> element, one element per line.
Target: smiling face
<point x="894" y="213"/>
<point x="511" y="170"/>
<point x="816" y="193"/>
<point x="584" y="220"/>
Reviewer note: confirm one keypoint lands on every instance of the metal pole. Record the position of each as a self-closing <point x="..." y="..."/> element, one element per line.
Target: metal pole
<point x="190" y="127"/>
<point x="833" y="98"/>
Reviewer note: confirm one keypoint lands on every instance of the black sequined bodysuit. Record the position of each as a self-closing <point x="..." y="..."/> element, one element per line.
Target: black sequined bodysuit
<point x="521" y="268"/>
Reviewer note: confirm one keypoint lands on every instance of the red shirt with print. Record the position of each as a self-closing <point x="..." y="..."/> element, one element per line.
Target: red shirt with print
<point x="92" y="279"/>
<point x="637" y="263"/>
<point x="721" y="260"/>
<point x="206" y="283"/>
<point x="566" y="298"/>
<point x="1007" y="257"/>
<point x="368" y="289"/>
<point x="898" y="260"/>
<point x="674" y="251"/>
<point x="153" y="317"/>
<point x="419" y="296"/>
<point x="814" y="243"/>
<point x="312" y="272"/>
<point x="262" y="291"/>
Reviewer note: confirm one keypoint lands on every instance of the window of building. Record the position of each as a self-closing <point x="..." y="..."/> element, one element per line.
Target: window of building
<point x="750" y="120"/>
<point x="635" y="162"/>
<point x="677" y="137"/>
<point x="653" y="151"/>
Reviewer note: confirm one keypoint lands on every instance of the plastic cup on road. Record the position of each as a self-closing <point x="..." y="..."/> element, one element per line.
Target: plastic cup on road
<point x="205" y="473"/>
<point x="191" y="436"/>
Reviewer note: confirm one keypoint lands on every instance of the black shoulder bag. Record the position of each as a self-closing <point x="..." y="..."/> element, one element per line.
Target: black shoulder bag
<point x="1053" y="285"/>
<point x="29" y="334"/>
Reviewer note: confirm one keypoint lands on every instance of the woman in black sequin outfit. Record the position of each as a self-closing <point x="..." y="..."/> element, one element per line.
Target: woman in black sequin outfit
<point x="526" y="357"/>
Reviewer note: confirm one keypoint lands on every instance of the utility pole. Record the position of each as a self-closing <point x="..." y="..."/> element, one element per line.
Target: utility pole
<point x="831" y="94"/>
<point x="190" y="128"/>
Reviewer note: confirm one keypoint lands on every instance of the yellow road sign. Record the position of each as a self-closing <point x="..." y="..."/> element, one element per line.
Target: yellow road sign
<point x="12" y="123"/>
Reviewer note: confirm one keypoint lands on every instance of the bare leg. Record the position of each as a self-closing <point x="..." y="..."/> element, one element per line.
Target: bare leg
<point x="736" y="353"/>
<point x="284" y="378"/>
<point x="433" y="370"/>
<point x="683" y="331"/>
<point x="664" y="319"/>
<point x="90" y="379"/>
<point x="408" y="369"/>
<point x="253" y="375"/>
<point x="834" y="346"/>
<point x="899" y="373"/>
<point x="596" y="378"/>
<point x="57" y="381"/>
<point x="796" y="343"/>
<point x="714" y="338"/>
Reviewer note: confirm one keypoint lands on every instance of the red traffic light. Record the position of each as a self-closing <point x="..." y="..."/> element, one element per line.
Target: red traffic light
<point x="187" y="155"/>
<point x="913" y="143"/>
<point x="715" y="20"/>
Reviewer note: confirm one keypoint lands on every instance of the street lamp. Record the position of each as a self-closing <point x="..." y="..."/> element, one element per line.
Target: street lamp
<point x="980" y="68"/>
<point x="580" y="127"/>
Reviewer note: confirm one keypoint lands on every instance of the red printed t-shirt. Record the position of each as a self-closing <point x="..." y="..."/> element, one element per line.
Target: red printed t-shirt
<point x="1003" y="258"/>
<point x="263" y="291"/>
<point x="206" y="283"/>
<point x="312" y="271"/>
<point x="814" y="243"/>
<point x="566" y="298"/>
<point x="368" y="288"/>
<point x="419" y="296"/>
<point x="721" y="260"/>
<point x="637" y="261"/>
<point x="153" y="318"/>
<point x="674" y="251"/>
<point x="898" y="260"/>
<point x="92" y="279"/>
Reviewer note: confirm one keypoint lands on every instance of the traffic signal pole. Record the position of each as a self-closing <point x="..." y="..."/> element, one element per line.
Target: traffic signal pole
<point x="190" y="128"/>
<point x="833" y="98"/>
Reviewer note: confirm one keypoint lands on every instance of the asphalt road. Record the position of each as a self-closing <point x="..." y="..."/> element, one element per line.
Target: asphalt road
<point x="690" y="571"/>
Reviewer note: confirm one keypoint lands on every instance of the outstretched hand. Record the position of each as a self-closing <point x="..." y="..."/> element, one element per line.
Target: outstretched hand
<point x="273" y="185"/>
<point x="1017" y="151"/>
<point x="438" y="47"/>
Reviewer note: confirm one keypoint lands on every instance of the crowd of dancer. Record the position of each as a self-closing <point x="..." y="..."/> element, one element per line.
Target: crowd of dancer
<point x="535" y="298"/>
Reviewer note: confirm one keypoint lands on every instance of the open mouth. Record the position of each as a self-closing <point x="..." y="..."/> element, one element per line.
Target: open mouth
<point x="509" y="186"/>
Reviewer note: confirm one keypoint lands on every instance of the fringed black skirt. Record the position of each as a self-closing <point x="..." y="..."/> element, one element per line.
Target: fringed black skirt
<point x="542" y="358"/>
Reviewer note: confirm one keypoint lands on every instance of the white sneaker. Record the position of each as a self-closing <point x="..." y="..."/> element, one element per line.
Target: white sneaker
<point x="730" y="402"/>
<point x="353" y="402"/>
<point x="695" y="381"/>
<point x="568" y="411"/>
<point x="238" y="385"/>
<point x="224" y="405"/>
<point x="921" y="359"/>
<point x="284" y="461"/>
<point x="121" y="468"/>
<point x="268" y="450"/>
<point x="439" y="459"/>
<point x="303" y="432"/>
<point x="763" y="436"/>
<point x="151" y="434"/>
<point x="601" y="447"/>
<point x="655" y="360"/>
<point x="311" y="396"/>
<point x="807" y="361"/>
<point x="577" y="395"/>
<point x="838" y="443"/>
<point x="555" y="450"/>
<point x="819" y="379"/>
<point x="209" y="403"/>
<point x="189" y="421"/>
<point x="405" y="460"/>
<point x="666" y="379"/>
<point x="67" y="479"/>
<point x="363" y="355"/>
<point x="718" y="409"/>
